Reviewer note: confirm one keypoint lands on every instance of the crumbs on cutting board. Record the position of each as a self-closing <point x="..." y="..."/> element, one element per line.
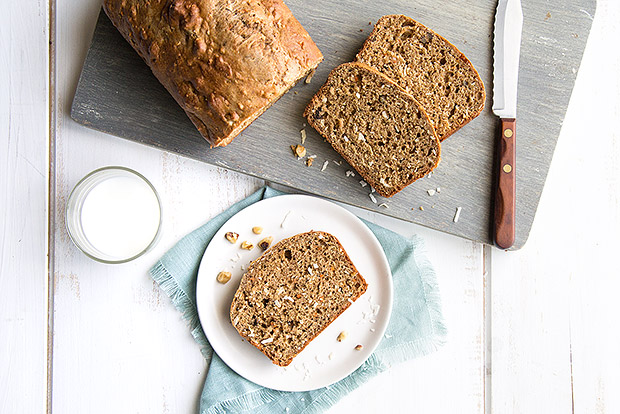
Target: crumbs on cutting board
<point x="457" y="214"/>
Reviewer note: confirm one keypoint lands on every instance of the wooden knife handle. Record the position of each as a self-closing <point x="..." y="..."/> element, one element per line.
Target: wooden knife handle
<point x="505" y="194"/>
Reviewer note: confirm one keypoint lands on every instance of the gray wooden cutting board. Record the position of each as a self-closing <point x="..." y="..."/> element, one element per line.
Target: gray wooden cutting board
<point x="118" y="94"/>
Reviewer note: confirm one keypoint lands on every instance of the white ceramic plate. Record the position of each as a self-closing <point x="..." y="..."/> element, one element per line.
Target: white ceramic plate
<point x="325" y="360"/>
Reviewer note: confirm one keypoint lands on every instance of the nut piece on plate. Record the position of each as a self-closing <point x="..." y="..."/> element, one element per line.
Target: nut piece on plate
<point x="257" y="230"/>
<point x="265" y="243"/>
<point x="223" y="277"/>
<point x="232" y="237"/>
<point x="342" y="336"/>
<point x="246" y="245"/>
<point x="358" y="347"/>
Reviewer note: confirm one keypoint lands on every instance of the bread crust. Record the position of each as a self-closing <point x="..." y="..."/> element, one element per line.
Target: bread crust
<point x="237" y="297"/>
<point x="224" y="61"/>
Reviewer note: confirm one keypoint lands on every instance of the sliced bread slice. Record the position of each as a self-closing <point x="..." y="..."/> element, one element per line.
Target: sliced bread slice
<point x="380" y="130"/>
<point x="429" y="67"/>
<point x="293" y="292"/>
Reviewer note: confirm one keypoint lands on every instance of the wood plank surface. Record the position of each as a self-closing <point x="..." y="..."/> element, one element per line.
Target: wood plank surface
<point x="24" y="127"/>
<point x="113" y="321"/>
<point x="529" y="331"/>
<point x="118" y="94"/>
<point x="555" y="305"/>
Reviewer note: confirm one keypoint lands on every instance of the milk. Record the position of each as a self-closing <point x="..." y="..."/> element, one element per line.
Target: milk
<point x="120" y="217"/>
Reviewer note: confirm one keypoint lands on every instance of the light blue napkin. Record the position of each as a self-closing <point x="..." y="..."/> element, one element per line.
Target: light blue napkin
<point x="416" y="326"/>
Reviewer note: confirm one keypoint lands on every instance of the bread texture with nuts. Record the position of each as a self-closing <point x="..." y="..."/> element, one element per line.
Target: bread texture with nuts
<point x="428" y="67"/>
<point x="381" y="130"/>
<point x="224" y="61"/>
<point x="292" y="292"/>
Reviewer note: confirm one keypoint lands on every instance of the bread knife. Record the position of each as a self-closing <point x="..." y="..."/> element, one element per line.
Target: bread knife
<point x="507" y="44"/>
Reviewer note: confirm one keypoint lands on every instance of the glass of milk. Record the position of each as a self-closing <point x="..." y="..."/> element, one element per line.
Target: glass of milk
<point x="114" y="215"/>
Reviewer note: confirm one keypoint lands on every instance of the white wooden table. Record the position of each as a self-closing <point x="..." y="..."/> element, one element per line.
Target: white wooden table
<point x="532" y="331"/>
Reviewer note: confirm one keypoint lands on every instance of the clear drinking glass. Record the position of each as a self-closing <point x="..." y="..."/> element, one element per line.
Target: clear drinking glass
<point x="114" y="215"/>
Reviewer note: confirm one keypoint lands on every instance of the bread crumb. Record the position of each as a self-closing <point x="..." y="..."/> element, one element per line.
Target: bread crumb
<point x="438" y="189"/>
<point x="309" y="162"/>
<point x="283" y="224"/>
<point x="363" y="183"/>
<point x="324" y="165"/>
<point x="431" y="192"/>
<point x="358" y="347"/>
<point x="337" y="162"/>
<point x="350" y="173"/>
<point x="372" y="198"/>
<point x="457" y="214"/>
<point x="384" y="205"/>
<point x="330" y="356"/>
<point x="421" y="208"/>
<point x="310" y="75"/>
<point x="303" y="136"/>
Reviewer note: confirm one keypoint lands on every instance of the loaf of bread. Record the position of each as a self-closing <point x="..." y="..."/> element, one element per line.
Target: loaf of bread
<point x="224" y="61"/>
<point x="378" y="128"/>
<point x="429" y="67"/>
<point x="293" y="292"/>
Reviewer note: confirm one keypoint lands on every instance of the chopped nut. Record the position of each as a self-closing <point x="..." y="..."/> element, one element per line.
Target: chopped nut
<point x="310" y="75"/>
<point x="232" y="237"/>
<point x="299" y="150"/>
<point x="303" y="135"/>
<point x="247" y="245"/>
<point x="421" y="208"/>
<point x="257" y="230"/>
<point x="223" y="277"/>
<point x="265" y="243"/>
<point x="342" y="336"/>
<point x="358" y="347"/>
<point x="309" y="162"/>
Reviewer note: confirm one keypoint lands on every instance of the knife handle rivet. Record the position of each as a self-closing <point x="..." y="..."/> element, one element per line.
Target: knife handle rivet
<point x="508" y="133"/>
<point x="507" y="168"/>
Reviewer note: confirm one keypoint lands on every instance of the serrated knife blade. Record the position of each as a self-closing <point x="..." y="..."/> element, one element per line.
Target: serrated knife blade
<point x="506" y="50"/>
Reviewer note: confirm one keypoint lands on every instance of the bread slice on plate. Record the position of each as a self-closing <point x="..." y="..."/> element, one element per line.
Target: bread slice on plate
<point x="429" y="67"/>
<point x="381" y="130"/>
<point x="292" y="292"/>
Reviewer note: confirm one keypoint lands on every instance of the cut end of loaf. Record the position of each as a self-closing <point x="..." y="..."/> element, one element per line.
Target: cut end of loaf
<point x="380" y="130"/>
<point x="293" y="292"/>
<point x="428" y="67"/>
